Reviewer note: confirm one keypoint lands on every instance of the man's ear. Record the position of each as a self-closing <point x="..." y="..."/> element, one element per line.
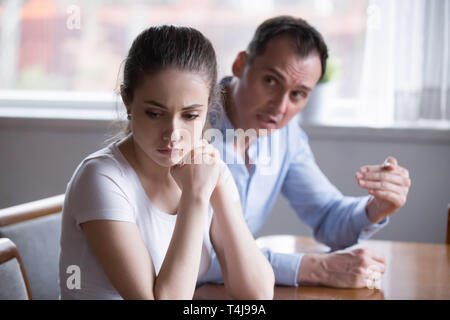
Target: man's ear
<point x="239" y="63"/>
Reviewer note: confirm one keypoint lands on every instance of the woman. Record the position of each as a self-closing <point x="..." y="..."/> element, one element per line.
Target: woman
<point x="141" y="215"/>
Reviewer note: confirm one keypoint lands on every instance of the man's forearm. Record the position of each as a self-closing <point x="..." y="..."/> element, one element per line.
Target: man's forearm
<point x="310" y="271"/>
<point x="285" y="266"/>
<point x="372" y="211"/>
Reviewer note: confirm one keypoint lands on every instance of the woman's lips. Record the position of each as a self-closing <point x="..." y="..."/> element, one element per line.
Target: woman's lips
<point x="170" y="151"/>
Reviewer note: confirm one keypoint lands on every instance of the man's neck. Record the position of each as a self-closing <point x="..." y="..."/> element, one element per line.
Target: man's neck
<point x="230" y="106"/>
<point x="231" y="112"/>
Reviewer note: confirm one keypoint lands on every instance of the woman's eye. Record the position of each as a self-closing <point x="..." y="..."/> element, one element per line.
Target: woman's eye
<point x="153" y="115"/>
<point x="191" y="116"/>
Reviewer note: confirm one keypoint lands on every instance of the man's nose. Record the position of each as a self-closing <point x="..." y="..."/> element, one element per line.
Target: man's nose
<point x="280" y="104"/>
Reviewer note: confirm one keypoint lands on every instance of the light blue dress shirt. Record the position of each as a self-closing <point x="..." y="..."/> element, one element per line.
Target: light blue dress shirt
<point x="283" y="162"/>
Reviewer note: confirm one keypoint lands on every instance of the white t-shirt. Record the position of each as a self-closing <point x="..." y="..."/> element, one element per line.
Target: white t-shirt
<point x="106" y="187"/>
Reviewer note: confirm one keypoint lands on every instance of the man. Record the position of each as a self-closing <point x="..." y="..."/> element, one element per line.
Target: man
<point x="270" y="85"/>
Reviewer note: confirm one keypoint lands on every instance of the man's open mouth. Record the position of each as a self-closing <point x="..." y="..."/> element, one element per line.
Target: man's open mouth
<point x="267" y="121"/>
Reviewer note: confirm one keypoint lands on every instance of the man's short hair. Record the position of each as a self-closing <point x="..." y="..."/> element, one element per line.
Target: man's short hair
<point x="306" y="38"/>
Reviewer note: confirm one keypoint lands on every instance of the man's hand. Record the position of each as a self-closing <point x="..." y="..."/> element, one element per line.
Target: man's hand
<point x="388" y="184"/>
<point x="356" y="268"/>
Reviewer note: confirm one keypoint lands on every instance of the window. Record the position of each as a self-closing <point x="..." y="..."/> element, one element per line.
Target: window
<point x="77" y="47"/>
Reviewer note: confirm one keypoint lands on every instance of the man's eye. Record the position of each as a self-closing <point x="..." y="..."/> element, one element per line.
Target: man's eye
<point x="299" y="94"/>
<point x="153" y="115"/>
<point x="269" y="80"/>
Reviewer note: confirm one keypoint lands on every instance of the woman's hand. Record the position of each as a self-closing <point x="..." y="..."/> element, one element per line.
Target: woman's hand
<point x="199" y="170"/>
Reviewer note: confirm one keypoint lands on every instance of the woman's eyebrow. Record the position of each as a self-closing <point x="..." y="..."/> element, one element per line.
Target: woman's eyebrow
<point x="192" y="106"/>
<point x="160" y="105"/>
<point x="157" y="104"/>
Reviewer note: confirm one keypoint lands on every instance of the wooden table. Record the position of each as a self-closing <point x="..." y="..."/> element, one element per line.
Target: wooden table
<point x="414" y="271"/>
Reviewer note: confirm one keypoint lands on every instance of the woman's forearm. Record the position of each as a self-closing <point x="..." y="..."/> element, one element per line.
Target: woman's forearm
<point x="179" y="271"/>
<point x="247" y="273"/>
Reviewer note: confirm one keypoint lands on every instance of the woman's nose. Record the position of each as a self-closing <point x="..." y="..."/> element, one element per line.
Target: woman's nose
<point x="171" y="132"/>
<point x="175" y="136"/>
<point x="171" y="136"/>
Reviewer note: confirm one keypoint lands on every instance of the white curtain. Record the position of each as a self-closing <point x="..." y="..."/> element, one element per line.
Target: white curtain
<point x="406" y="69"/>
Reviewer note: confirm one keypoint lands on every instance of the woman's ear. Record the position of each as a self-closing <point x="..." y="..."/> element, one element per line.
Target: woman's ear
<point x="124" y="95"/>
<point x="239" y="63"/>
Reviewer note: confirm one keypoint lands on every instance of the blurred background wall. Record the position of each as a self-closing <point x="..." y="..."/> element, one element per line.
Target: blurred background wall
<point x="387" y="90"/>
<point x="38" y="157"/>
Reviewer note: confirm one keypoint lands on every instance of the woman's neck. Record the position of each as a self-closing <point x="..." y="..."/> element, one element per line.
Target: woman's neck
<point x="144" y="166"/>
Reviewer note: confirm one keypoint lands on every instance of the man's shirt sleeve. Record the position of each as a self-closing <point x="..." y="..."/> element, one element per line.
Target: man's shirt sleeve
<point x="336" y="220"/>
<point x="285" y="267"/>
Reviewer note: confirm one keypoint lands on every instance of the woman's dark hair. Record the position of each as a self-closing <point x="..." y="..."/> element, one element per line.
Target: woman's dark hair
<point x="166" y="46"/>
<point x="306" y="38"/>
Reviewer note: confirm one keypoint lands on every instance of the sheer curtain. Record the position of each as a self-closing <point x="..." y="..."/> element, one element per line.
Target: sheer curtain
<point x="406" y="69"/>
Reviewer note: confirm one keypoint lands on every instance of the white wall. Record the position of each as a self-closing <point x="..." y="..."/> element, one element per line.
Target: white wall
<point x="38" y="157"/>
<point x="425" y="153"/>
